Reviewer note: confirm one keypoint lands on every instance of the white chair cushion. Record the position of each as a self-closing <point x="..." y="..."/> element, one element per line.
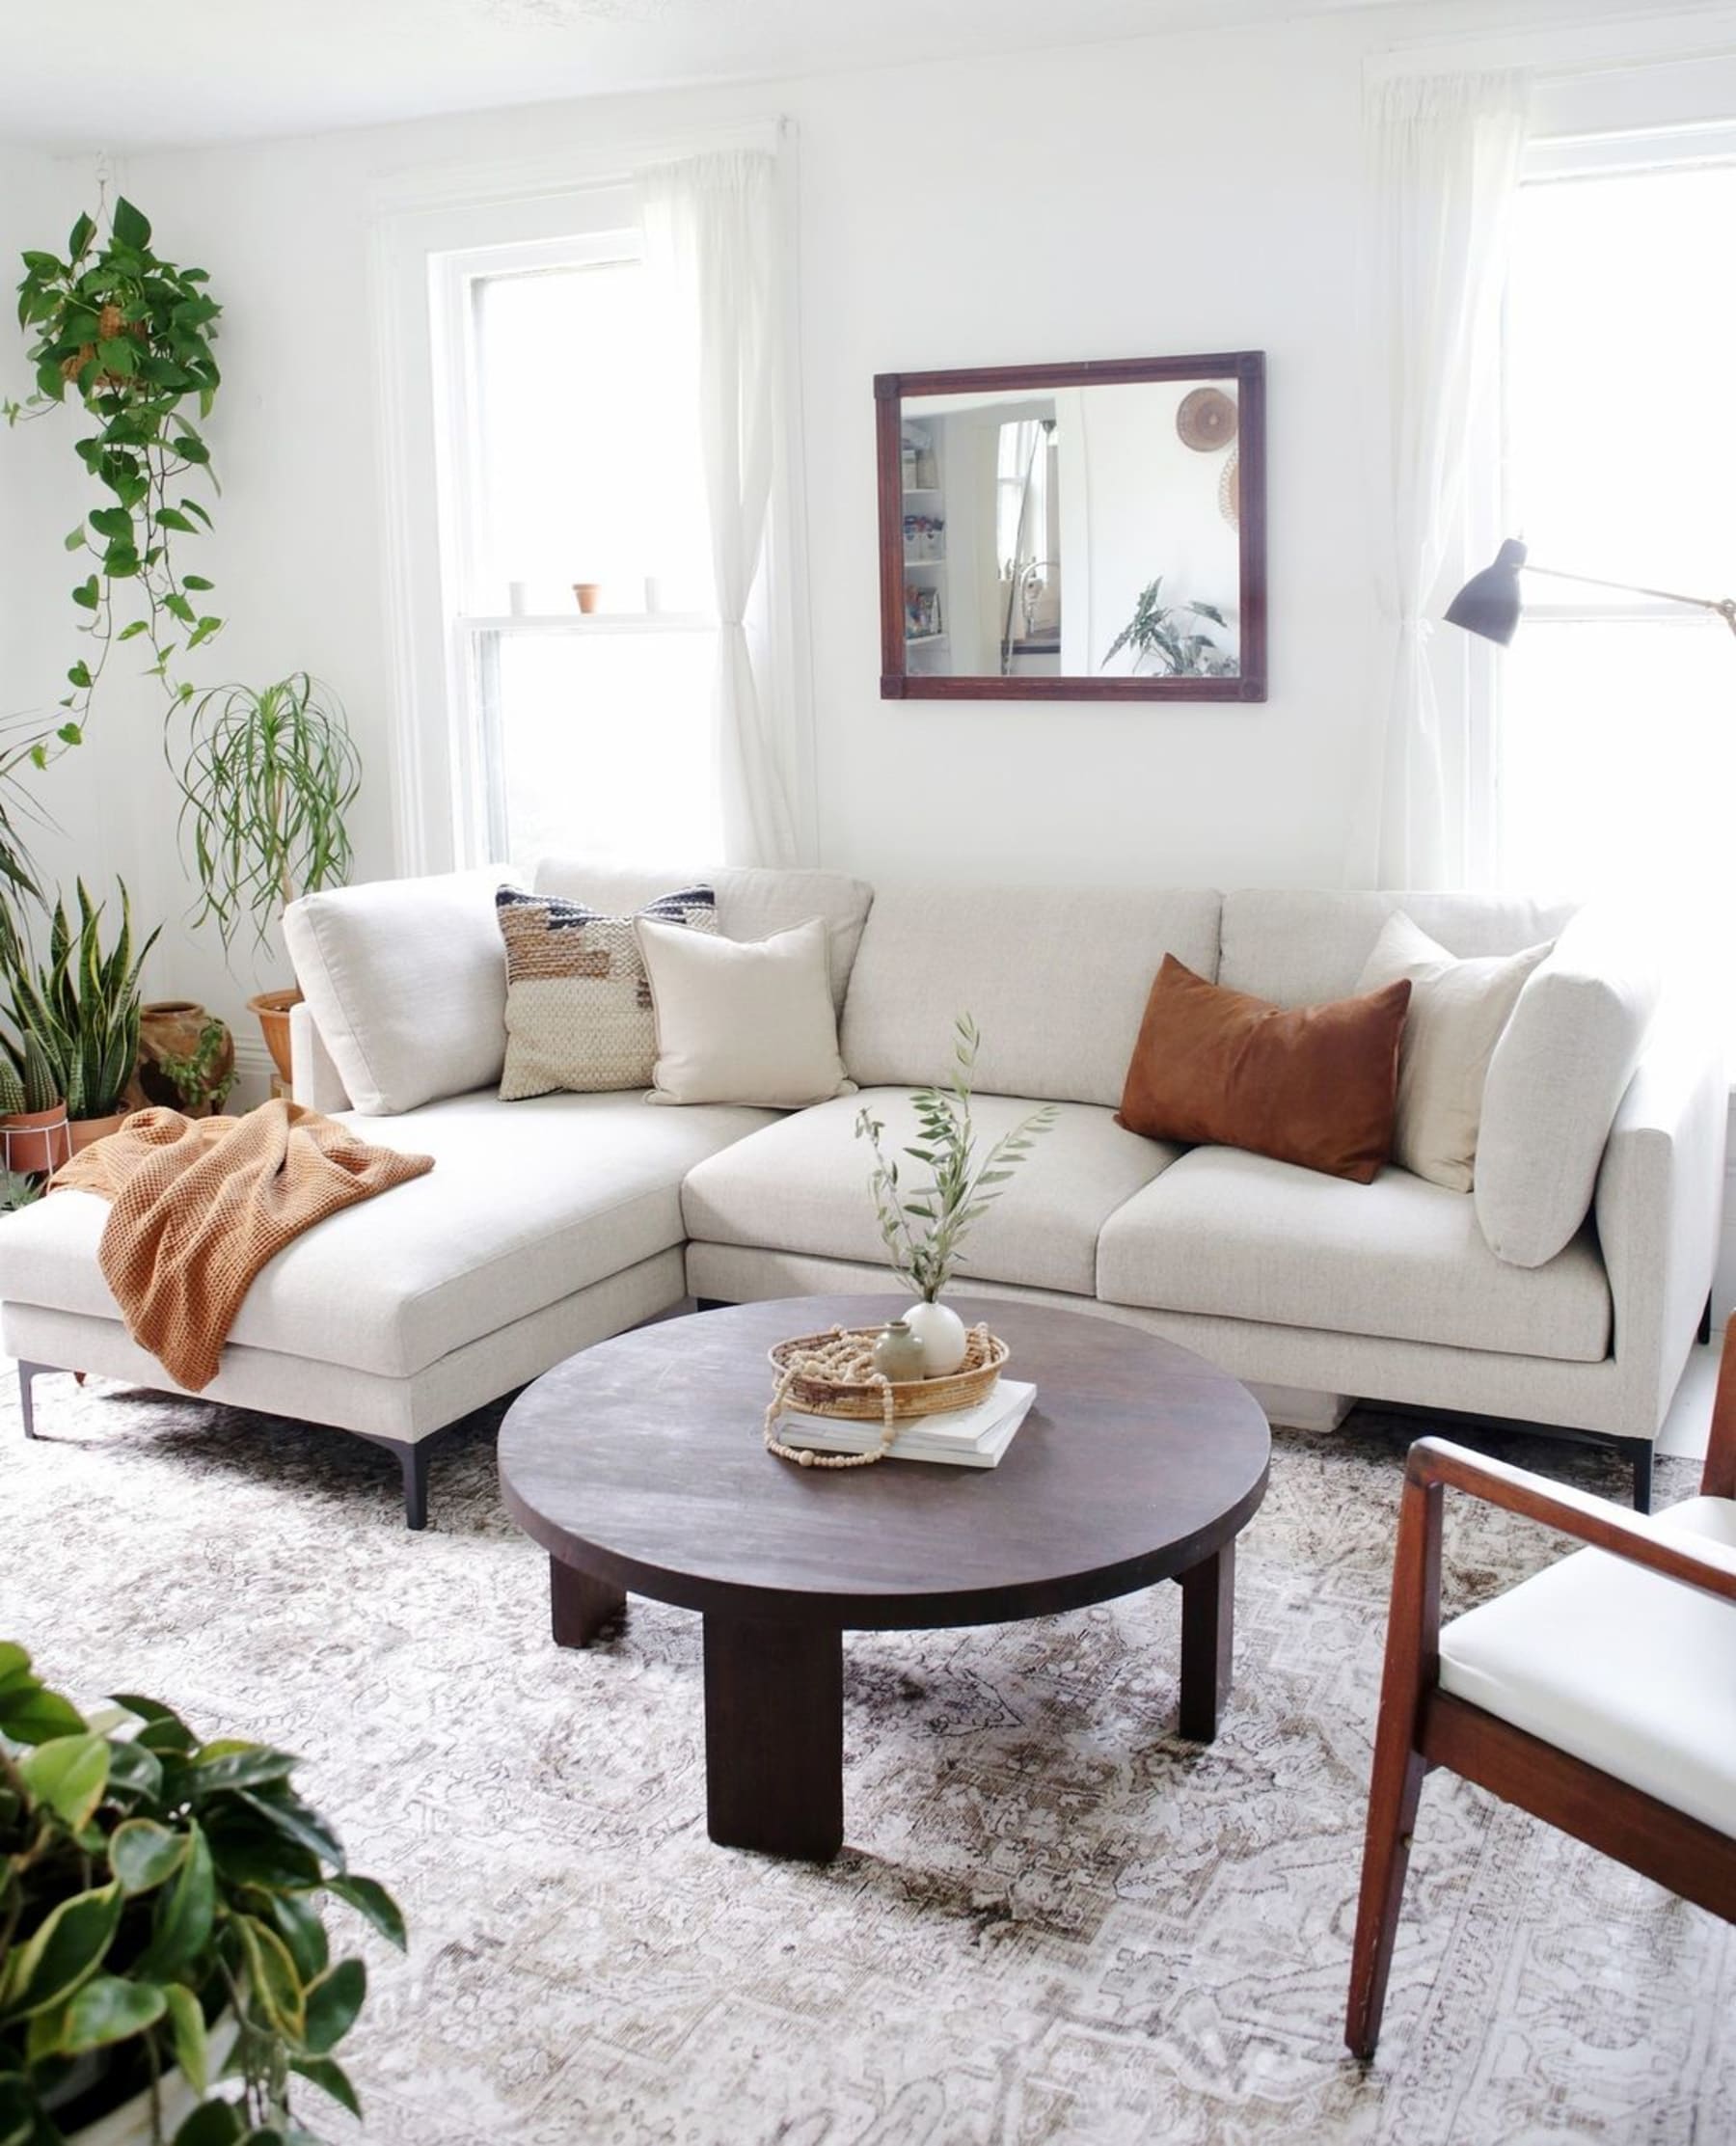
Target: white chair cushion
<point x="1056" y="980"/>
<point x="1297" y="946"/>
<point x="527" y="1203"/>
<point x="1632" y="1672"/>
<point x="1236" y="1236"/>
<point x="406" y="980"/>
<point x="801" y="1186"/>
<point x="1556" y="1081"/>
<point x="752" y="901"/>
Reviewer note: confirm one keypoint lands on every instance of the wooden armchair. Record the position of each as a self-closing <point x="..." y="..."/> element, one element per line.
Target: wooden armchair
<point x="1599" y="1694"/>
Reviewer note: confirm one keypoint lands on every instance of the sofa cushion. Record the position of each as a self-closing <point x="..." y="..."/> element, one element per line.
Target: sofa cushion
<point x="1311" y="1084"/>
<point x="743" y="1020"/>
<point x="801" y="1186"/>
<point x="1056" y="980"/>
<point x="1296" y="946"/>
<point x="1618" y="1665"/>
<point x="1556" y="1081"/>
<point x="406" y="980"/>
<point x="1457" y="1012"/>
<point x="1235" y="1235"/>
<point x="752" y="903"/>
<point x="579" y="1011"/>
<point x="527" y="1203"/>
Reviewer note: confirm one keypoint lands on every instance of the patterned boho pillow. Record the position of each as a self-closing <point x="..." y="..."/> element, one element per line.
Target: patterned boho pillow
<point x="579" y="1011"/>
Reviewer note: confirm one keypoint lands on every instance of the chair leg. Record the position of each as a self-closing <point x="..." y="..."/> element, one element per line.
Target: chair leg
<point x="28" y="1374"/>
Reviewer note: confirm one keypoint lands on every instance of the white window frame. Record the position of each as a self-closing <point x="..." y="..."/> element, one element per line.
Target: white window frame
<point x="422" y="221"/>
<point x="1489" y="511"/>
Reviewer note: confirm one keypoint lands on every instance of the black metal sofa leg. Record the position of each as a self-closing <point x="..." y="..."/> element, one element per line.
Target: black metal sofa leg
<point x="1639" y="1452"/>
<point x="414" y="1460"/>
<point x="28" y="1374"/>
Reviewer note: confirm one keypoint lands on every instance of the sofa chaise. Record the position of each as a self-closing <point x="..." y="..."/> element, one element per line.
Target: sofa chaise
<point x="547" y="1225"/>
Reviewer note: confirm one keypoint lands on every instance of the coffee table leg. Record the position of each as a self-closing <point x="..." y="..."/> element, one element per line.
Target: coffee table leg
<point x="1208" y="1639"/>
<point x="775" y="1737"/>
<point x="579" y="1606"/>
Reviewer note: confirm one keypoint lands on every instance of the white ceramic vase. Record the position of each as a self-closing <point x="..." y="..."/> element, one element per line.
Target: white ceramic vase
<point x="942" y="1334"/>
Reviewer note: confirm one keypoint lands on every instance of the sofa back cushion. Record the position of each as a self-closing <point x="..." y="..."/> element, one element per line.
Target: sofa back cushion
<point x="1556" y="1081"/>
<point x="1056" y="979"/>
<point x="406" y="981"/>
<point x="752" y="903"/>
<point x="1300" y="946"/>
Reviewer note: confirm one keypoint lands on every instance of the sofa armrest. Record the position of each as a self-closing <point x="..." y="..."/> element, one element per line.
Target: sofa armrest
<point x="1658" y="1206"/>
<point x="316" y="1082"/>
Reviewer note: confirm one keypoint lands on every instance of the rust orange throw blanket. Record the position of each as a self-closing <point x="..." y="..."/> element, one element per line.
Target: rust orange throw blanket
<point x="201" y="1204"/>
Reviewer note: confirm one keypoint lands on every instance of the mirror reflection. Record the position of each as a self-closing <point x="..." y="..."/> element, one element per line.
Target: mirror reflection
<point x="1081" y="528"/>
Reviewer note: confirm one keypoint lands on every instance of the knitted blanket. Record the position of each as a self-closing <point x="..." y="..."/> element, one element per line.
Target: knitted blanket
<point x="199" y="1205"/>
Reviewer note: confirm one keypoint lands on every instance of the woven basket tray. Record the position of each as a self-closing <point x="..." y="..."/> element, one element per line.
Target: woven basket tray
<point x="851" y="1396"/>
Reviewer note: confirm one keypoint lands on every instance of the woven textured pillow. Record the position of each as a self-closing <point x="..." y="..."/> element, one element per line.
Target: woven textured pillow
<point x="579" y="1013"/>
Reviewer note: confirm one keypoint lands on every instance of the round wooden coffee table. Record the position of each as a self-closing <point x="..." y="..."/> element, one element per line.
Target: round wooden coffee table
<point x="638" y="1466"/>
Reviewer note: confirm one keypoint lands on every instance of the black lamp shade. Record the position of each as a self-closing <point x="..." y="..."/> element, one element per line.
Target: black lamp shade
<point x="1489" y="603"/>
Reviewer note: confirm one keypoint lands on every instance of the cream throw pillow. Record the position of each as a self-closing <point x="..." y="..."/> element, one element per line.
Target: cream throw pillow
<point x="1457" y="1012"/>
<point x="743" y="1021"/>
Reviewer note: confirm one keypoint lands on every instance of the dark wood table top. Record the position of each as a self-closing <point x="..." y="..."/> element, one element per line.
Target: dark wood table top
<point x="640" y="1461"/>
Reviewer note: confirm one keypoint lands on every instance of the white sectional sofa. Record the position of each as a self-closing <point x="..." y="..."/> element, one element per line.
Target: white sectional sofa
<point x="549" y="1224"/>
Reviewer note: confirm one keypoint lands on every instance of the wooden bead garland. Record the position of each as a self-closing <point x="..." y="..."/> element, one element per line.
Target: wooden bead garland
<point x="845" y="1359"/>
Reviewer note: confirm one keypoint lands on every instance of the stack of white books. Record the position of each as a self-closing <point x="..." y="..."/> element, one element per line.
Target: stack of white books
<point x="961" y="1437"/>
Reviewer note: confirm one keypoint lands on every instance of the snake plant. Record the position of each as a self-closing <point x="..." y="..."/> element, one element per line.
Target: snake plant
<point x="80" y="1009"/>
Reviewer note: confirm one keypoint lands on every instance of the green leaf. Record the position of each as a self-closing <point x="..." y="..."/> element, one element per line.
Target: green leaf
<point x="192" y="2050"/>
<point x="87" y="594"/>
<point x="232" y="1763"/>
<point x="164" y="1729"/>
<point x="185" y="1911"/>
<point x="129" y="225"/>
<point x="69" y="1774"/>
<point x="212" y="2124"/>
<point x="75" y="540"/>
<point x="192" y="581"/>
<point x="65" y="1949"/>
<point x="143" y="1855"/>
<point x="296" y="1921"/>
<point x="110" y="2008"/>
<point x="371" y="1900"/>
<point x="330" y="2077"/>
<point x="112" y="523"/>
<point x="133" y="631"/>
<point x="277" y="1988"/>
<point x="17" y="2110"/>
<point x="80" y="236"/>
<point x="79" y="674"/>
<point x="31" y="1715"/>
<point x="171" y="518"/>
<point x="119" y="354"/>
<point x="331" y="2004"/>
<point x="192" y="449"/>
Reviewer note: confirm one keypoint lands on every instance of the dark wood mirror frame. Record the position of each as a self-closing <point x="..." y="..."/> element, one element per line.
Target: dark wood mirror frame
<point x="1246" y="368"/>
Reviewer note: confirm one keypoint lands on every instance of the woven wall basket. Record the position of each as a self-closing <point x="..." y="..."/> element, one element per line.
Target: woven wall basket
<point x="835" y="1382"/>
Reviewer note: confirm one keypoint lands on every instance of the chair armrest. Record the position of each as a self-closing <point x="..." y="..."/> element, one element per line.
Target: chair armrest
<point x="1634" y="1536"/>
<point x="1720" y="1477"/>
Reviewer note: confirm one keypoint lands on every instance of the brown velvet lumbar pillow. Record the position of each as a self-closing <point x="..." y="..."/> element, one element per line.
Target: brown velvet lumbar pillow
<point x="1316" y="1085"/>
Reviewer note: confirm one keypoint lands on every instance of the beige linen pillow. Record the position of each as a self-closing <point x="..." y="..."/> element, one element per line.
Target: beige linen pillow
<point x="743" y="1021"/>
<point x="578" y="1005"/>
<point x="1458" y="1010"/>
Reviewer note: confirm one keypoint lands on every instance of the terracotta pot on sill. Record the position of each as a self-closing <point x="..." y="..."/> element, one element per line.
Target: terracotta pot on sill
<point x="587" y="593"/>
<point x="86" y="1131"/>
<point x="36" y="1141"/>
<point x="272" y="1010"/>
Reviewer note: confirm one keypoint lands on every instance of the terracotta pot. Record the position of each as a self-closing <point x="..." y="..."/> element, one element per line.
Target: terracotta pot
<point x="272" y="1010"/>
<point x="587" y="593"/>
<point x="171" y="1028"/>
<point x="86" y="1131"/>
<point x="36" y="1141"/>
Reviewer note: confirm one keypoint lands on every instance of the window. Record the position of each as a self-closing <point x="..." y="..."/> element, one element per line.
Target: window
<point x="576" y="565"/>
<point x="1616" y="713"/>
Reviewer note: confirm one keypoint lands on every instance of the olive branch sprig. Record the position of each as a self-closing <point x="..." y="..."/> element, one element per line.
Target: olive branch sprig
<point x="961" y="1188"/>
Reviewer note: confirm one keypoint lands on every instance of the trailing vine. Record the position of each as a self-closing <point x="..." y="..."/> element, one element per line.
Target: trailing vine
<point x="130" y="335"/>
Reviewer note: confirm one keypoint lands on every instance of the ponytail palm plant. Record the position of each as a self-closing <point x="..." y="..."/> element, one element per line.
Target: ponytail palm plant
<point x="266" y="777"/>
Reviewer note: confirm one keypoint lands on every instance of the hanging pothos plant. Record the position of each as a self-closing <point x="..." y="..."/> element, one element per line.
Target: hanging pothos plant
<point x="129" y="335"/>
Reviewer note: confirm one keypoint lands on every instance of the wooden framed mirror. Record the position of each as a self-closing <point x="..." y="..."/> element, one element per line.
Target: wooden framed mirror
<point x="1074" y="532"/>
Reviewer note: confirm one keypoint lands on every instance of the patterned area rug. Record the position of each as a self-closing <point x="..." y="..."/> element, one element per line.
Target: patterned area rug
<point x="1054" y="1920"/>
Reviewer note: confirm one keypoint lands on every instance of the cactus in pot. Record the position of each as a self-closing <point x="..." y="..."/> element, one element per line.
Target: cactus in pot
<point x="34" y="1134"/>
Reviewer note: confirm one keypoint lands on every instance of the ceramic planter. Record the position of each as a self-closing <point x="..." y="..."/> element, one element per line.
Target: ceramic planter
<point x="36" y="1141"/>
<point x="171" y="1028"/>
<point x="272" y="1010"/>
<point x="130" y="2125"/>
<point x="942" y="1334"/>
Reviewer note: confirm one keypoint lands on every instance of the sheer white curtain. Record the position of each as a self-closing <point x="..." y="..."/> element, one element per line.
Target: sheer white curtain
<point x="1445" y="152"/>
<point x="715" y="238"/>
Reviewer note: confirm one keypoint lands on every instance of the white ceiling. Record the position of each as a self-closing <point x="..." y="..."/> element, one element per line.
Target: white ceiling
<point x="118" y="73"/>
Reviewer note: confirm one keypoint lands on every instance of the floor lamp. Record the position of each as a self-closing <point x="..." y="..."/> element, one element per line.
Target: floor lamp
<point x="1490" y="603"/>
